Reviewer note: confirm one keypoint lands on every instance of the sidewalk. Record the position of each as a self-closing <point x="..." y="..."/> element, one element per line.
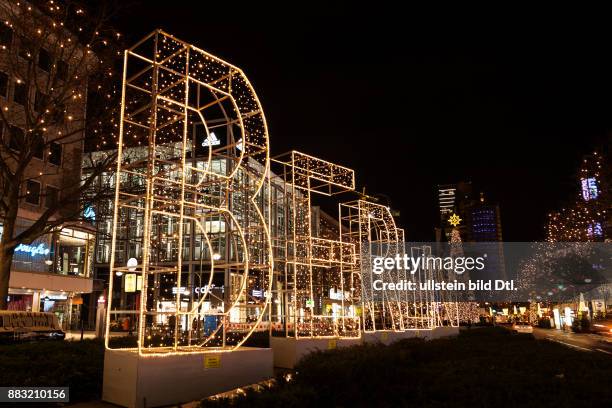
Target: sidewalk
<point x="75" y="335"/>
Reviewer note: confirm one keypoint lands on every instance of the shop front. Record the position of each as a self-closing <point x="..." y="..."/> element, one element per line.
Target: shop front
<point x="52" y="274"/>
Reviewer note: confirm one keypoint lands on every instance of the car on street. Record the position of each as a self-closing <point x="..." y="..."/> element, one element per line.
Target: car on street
<point x="602" y="327"/>
<point x="522" y="327"/>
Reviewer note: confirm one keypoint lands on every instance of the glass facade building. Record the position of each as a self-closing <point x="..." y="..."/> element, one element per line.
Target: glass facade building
<point x="196" y="256"/>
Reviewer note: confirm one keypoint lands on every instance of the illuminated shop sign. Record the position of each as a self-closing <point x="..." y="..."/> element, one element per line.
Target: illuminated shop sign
<point x="200" y="290"/>
<point x="89" y="213"/>
<point x="182" y="289"/>
<point x="595" y="230"/>
<point x="33" y="250"/>
<point x="589" y="188"/>
<point x="337" y="295"/>
<point x="211" y="140"/>
<point x="55" y="297"/>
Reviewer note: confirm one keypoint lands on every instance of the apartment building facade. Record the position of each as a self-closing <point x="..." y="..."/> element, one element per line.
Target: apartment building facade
<point x="52" y="273"/>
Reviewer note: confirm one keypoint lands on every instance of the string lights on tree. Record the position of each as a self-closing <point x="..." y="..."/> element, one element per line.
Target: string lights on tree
<point x="466" y="309"/>
<point x="53" y="54"/>
<point x="586" y="219"/>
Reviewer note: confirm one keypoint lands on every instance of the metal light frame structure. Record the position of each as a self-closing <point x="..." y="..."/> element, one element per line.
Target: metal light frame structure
<point x="183" y="186"/>
<point x="371" y="227"/>
<point x="310" y="267"/>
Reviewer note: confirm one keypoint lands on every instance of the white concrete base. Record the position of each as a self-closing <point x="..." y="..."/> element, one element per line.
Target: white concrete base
<point x="135" y="381"/>
<point x="388" y="336"/>
<point x="288" y="351"/>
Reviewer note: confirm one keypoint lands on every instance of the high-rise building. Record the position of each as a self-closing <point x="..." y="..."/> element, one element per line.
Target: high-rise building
<point x="453" y="199"/>
<point x="484" y="221"/>
<point x="480" y="219"/>
<point x="446" y="200"/>
<point x="476" y="219"/>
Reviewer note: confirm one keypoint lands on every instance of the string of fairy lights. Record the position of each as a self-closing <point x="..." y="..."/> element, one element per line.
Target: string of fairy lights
<point x="164" y="97"/>
<point x="313" y="263"/>
<point x="547" y="276"/>
<point x="56" y="33"/>
<point x="169" y="88"/>
<point x="172" y="87"/>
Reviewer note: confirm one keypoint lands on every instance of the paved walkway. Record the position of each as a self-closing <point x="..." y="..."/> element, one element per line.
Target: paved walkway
<point x="75" y="335"/>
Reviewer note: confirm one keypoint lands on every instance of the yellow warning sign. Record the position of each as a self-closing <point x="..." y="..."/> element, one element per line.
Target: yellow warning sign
<point x="331" y="344"/>
<point x="212" y="361"/>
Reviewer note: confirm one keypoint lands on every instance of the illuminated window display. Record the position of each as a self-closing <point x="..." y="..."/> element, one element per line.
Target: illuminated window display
<point x="72" y="252"/>
<point x="66" y="251"/>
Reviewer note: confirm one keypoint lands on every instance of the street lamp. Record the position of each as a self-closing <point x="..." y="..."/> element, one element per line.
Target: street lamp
<point x="131" y="264"/>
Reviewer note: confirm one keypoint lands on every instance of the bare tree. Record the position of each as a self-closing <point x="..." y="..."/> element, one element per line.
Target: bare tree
<point x="54" y="55"/>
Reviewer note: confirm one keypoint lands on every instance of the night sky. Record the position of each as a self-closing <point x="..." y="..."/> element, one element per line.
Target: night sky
<point x="413" y="99"/>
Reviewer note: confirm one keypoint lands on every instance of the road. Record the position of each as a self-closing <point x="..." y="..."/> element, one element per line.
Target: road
<point x="585" y="342"/>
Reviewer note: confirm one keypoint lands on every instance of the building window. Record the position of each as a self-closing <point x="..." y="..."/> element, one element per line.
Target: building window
<point x="62" y="70"/>
<point x="103" y="251"/>
<point x="41" y="101"/>
<point x="6" y="36"/>
<point x="20" y="95"/>
<point x="51" y="196"/>
<point x="3" y="84"/>
<point x="26" y="49"/>
<point x="17" y="138"/>
<point x="38" y="145"/>
<point x="71" y="249"/>
<point x="44" y="60"/>
<point x="58" y="113"/>
<point x="33" y="192"/>
<point x="55" y="153"/>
